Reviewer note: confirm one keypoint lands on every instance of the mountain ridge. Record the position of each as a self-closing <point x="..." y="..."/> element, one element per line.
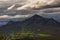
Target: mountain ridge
<point x="34" y="23"/>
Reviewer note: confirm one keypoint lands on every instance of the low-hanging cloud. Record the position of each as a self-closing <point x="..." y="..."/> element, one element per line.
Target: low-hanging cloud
<point x="16" y="16"/>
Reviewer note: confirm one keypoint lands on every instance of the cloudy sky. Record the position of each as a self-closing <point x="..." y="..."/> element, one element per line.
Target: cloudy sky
<point x="3" y="0"/>
<point x="8" y="0"/>
<point x="11" y="0"/>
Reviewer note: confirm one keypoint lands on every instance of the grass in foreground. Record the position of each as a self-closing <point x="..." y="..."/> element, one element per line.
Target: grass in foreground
<point x="28" y="36"/>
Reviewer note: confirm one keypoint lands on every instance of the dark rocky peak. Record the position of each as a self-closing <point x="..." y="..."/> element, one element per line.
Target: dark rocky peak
<point x="34" y="18"/>
<point x="37" y="16"/>
<point x="51" y="21"/>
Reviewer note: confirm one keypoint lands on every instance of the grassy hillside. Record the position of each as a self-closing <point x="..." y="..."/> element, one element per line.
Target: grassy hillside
<point x="28" y="35"/>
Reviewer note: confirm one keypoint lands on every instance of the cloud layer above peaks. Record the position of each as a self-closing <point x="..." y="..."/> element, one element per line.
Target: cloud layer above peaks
<point x="38" y="4"/>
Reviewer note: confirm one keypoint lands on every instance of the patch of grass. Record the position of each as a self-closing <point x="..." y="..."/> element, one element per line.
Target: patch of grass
<point x="44" y="35"/>
<point x="28" y="35"/>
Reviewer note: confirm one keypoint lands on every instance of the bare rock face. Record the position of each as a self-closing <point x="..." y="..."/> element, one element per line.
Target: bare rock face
<point x="35" y="4"/>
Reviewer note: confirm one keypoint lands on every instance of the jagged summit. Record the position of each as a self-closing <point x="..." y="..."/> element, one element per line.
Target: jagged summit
<point x="51" y="21"/>
<point x="36" y="15"/>
<point x="34" y="19"/>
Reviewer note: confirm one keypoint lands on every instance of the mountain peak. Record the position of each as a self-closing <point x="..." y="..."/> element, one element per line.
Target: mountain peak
<point x="34" y="19"/>
<point x="52" y="21"/>
<point x="36" y="16"/>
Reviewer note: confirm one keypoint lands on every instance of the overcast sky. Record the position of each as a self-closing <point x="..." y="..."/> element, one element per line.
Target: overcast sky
<point x="6" y="0"/>
<point x="3" y="0"/>
<point x="10" y="0"/>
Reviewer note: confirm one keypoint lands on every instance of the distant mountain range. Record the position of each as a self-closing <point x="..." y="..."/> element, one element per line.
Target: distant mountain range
<point x="35" y="23"/>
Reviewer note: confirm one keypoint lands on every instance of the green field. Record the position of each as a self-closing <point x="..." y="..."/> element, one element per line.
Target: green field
<point x="27" y="35"/>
